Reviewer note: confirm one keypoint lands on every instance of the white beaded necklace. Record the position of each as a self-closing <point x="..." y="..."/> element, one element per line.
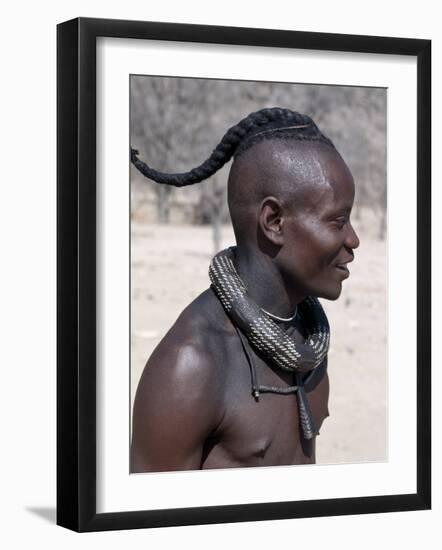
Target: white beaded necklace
<point x="273" y="316"/>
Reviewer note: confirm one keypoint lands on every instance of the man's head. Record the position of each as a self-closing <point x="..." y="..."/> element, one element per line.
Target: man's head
<point x="291" y="200"/>
<point x="290" y="197"/>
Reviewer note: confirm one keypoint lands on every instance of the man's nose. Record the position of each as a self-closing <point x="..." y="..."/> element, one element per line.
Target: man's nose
<point x="352" y="239"/>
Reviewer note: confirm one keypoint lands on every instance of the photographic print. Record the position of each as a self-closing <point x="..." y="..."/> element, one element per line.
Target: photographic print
<point x="258" y="274"/>
<point x="231" y="288"/>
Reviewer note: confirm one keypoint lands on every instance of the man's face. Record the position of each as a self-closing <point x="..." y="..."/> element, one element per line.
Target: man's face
<point x="318" y="237"/>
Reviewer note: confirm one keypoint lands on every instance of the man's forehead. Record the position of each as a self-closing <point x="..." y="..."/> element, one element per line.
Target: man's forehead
<point x="299" y="164"/>
<point x="305" y="160"/>
<point x="315" y="173"/>
<point x="301" y="171"/>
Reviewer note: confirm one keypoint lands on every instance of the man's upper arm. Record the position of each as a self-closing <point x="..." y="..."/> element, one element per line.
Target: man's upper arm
<point x="175" y="410"/>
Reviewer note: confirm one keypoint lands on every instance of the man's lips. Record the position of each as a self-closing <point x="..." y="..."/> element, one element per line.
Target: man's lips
<point x="342" y="266"/>
<point x="343" y="270"/>
<point x="344" y="263"/>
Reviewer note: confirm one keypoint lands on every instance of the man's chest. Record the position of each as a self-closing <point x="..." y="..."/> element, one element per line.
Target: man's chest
<point x="264" y="431"/>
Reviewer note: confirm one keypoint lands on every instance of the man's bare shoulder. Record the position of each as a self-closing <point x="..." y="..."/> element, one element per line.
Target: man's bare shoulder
<point x="203" y="325"/>
<point x="180" y="399"/>
<point x="206" y="313"/>
<point x="191" y="357"/>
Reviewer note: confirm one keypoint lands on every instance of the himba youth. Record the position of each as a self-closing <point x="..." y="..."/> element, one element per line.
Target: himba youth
<point x="241" y="378"/>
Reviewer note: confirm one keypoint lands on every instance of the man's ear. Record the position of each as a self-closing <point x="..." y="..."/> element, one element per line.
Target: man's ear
<point x="271" y="220"/>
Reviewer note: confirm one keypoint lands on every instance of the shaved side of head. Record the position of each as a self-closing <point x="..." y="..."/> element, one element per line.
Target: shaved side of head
<point x="287" y="170"/>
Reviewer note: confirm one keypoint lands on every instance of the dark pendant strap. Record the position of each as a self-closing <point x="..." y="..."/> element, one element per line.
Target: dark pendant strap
<point x="276" y="389"/>
<point x="305" y="415"/>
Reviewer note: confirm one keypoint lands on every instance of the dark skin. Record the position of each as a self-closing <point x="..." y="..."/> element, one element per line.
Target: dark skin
<point x="290" y="204"/>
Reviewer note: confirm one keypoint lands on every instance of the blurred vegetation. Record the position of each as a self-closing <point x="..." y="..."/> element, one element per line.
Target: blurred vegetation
<point x="177" y="122"/>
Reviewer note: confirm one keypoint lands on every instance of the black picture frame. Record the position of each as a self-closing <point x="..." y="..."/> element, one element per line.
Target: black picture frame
<point x="77" y="287"/>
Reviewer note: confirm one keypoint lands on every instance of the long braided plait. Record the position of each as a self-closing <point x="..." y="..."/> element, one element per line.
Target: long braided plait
<point x="268" y="123"/>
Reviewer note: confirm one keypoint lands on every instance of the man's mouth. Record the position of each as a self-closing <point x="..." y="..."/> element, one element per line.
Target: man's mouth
<point x="343" y="270"/>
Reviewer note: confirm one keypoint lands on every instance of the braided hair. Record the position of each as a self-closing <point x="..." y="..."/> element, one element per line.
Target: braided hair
<point x="271" y="123"/>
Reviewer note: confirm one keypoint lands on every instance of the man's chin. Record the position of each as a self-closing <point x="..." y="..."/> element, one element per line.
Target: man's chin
<point x="330" y="294"/>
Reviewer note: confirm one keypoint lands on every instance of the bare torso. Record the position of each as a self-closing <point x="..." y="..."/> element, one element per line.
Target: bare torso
<point x="231" y="428"/>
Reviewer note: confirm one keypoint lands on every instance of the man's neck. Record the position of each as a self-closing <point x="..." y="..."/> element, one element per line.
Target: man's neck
<point x="265" y="284"/>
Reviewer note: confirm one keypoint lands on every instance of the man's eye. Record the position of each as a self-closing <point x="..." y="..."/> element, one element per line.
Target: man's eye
<point x="340" y="222"/>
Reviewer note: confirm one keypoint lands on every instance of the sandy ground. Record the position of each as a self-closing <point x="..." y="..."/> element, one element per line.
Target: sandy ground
<point x="169" y="269"/>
